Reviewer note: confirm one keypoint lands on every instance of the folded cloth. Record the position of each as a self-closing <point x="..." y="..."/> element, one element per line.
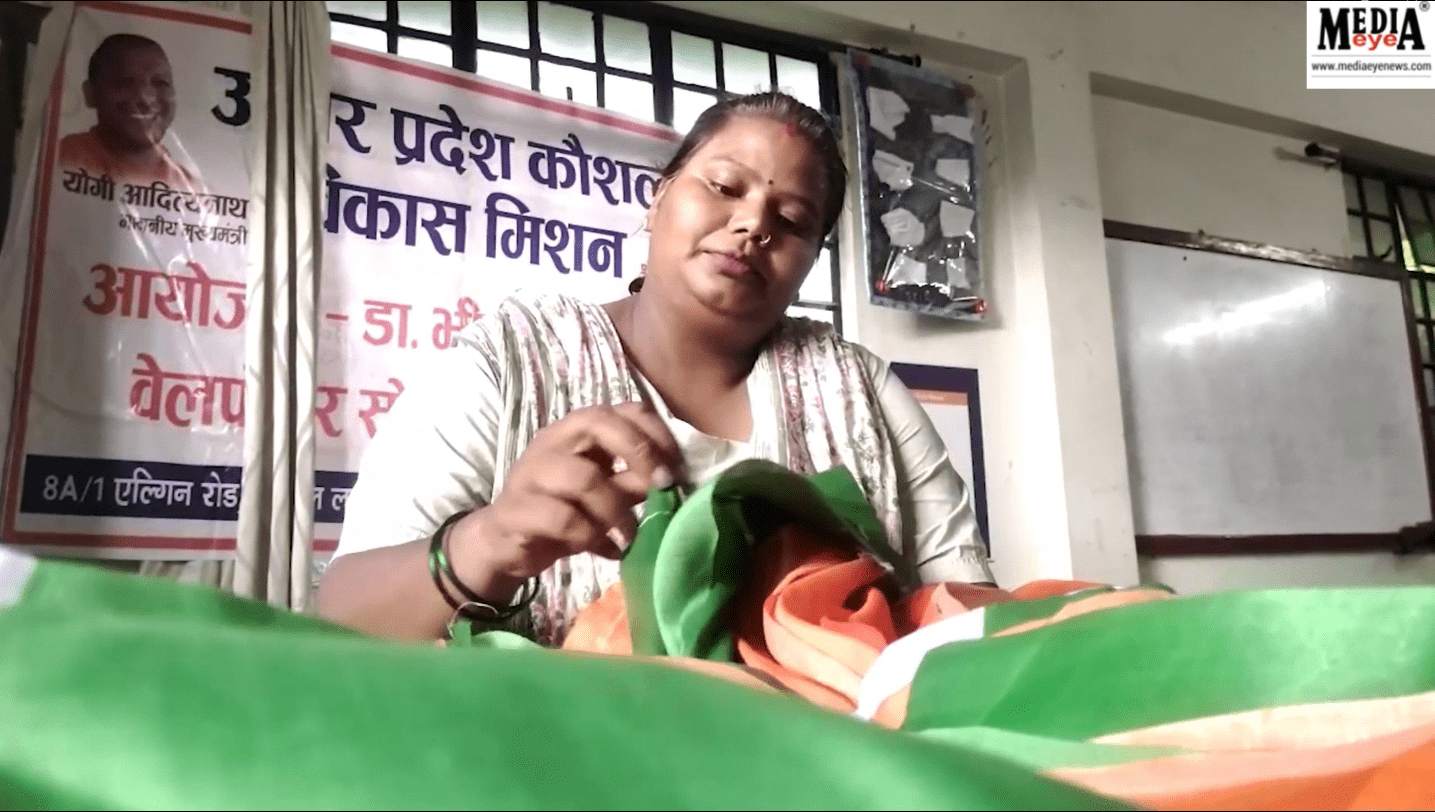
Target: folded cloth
<point x="1278" y="699"/>
<point x="793" y="577"/>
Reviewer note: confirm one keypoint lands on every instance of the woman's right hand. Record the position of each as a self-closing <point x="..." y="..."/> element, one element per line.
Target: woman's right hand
<point x="571" y="491"/>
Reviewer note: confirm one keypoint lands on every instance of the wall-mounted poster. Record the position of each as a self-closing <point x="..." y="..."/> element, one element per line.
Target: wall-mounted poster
<point x="918" y="137"/>
<point x="952" y="399"/>
<point x="444" y="194"/>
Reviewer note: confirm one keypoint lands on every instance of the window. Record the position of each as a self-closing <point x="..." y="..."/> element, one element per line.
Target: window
<point x="639" y="59"/>
<point x="1370" y="217"/>
<point x="1391" y="220"/>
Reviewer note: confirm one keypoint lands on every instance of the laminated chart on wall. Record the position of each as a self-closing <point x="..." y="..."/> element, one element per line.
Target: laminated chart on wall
<point x="917" y="135"/>
<point x="444" y="194"/>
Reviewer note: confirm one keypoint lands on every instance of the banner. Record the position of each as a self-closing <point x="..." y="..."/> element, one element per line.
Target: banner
<point x="445" y="193"/>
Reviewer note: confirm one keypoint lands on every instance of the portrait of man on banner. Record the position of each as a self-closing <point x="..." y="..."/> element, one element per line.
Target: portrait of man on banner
<point x="130" y="86"/>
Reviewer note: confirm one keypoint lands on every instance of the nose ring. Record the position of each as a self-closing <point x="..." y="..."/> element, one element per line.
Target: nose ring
<point x="764" y="239"/>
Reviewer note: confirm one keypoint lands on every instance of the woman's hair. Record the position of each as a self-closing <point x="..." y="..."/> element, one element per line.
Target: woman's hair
<point x="783" y="109"/>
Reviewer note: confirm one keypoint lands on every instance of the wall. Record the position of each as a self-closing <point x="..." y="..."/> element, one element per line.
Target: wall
<point x="1128" y="111"/>
<point x="1214" y="573"/>
<point x="1176" y="171"/>
<point x="1240" y="62"/>
<point x="1180" y="172"/>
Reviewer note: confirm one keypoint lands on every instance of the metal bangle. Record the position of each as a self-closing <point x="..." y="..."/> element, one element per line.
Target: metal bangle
<point x="440" y="562"/>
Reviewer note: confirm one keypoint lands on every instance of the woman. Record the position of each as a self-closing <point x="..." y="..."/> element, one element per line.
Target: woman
<point x="549" y="419"/>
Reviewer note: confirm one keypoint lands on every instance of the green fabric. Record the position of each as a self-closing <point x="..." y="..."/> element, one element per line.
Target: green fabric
<point x="639" y="569"/>
<point x="690" y="556"/>
<point x="1041" y="752"/>
<point x="469" y="635"/>
<point x="84" y="591"/>
<point x="1149" y="664"/>
<point x="125" y="693"/>
<point x="1002" y="616"/>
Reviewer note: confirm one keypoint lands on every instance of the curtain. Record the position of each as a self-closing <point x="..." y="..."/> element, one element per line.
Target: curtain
<point x="45" y="60"/>
<point x="290" y="87"/>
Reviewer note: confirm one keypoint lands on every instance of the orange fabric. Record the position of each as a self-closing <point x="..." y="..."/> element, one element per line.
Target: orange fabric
<point x="1392" y="771"/>
<point x="86" y="151"/>
<point x="1094" y="603"/>
<point x="602" y="628"/>
<point x="1309" y="726"/>
<point x="753" y="602"/>
<point x="1406" y="782"/>
<point x="823" y="656"/>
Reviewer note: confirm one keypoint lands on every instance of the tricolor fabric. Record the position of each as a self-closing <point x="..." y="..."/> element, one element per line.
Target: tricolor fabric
<point x="120" y="692"/>
<point x="764" y="649"/>
<point x="1281" y="699"/>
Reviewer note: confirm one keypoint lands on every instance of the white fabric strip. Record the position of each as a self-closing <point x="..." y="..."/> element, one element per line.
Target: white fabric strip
<point x="895" y="667"/>
<point x="15" y="571"/>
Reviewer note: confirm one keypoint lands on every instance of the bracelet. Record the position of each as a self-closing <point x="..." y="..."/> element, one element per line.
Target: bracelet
<point x="440" y="567"/>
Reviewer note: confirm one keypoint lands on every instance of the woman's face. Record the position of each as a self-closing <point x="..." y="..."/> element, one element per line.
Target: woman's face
<point x="736" y="230"/>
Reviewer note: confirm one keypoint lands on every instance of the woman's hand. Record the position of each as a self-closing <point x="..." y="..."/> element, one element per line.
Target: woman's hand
<point x="572" y="491"/>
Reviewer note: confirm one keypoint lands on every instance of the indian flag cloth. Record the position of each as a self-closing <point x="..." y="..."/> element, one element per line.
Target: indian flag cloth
<point x="1278" y="699"/>
<point x="764" y="649"/>
<point x="121" y="692"/>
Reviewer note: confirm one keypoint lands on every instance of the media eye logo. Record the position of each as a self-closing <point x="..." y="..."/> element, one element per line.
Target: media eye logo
<point x="1375" y="29"/>
<point x="1374" y="44"/>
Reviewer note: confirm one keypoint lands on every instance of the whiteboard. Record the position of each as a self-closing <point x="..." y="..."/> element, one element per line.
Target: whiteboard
<point x="1264" y="398"/>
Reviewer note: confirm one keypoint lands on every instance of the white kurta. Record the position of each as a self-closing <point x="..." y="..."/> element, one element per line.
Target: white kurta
<point x="440" y="450"/>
